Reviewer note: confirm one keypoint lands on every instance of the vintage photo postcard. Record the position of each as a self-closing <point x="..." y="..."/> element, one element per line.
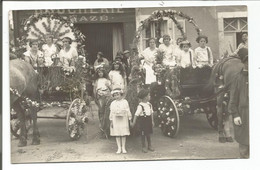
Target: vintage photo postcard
<point x="102" y="84"/>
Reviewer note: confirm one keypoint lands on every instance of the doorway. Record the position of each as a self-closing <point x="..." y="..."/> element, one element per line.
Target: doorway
<point x="104" y="37"/>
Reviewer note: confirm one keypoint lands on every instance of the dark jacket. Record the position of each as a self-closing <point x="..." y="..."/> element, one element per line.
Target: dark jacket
<point x="239" y="106"/>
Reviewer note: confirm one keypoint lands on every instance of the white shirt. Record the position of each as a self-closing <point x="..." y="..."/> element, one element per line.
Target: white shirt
<point x="67" y="57"/>
<point x="186" y="59"/>
<point x="148" y="109"/>
<point x="169" y="57"/>
<point x="48" y="52"/>
<point x="202" y="57"/>
<point x="149" y="55"/>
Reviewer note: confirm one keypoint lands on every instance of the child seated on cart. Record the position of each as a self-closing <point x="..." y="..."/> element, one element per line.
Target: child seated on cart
<point x="185" y="57"/>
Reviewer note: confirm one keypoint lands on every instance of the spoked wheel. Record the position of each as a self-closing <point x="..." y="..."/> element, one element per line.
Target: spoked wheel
<point x="75" y="119"/>
<point x="212" y="117"/>
<point x="168" y="116"/>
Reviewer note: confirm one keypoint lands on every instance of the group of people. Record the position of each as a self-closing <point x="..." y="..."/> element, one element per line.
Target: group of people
<point x="50" y="54"/>
<point x="179" y="55"/>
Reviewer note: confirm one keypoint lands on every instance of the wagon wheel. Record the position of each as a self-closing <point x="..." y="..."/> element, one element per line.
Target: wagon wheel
<point x="74" y="122"/>
<point x="212" y="118"/>
<point x="168" y="116"/>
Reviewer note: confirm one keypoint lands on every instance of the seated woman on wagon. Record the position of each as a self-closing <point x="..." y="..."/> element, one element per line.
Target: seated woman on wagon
<point x="185" y="57"/>
<point x="203" y="53"/>
<point x="49" y="49"/>
<point x="34" y="56"/>
<point x="169" y="59"/>
<point x="149" y="55"/>
<point x="68" y="54"/>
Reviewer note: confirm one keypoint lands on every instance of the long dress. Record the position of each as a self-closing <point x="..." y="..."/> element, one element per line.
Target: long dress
<point x="117" y="80"/>
<point x="48" y="52"/>
<point x="120" y="115"/>
<point x="169" y="58"/>
<point x="68" y="58"/>
<point x="203" y="56"/>
<point x="149" y="59"/>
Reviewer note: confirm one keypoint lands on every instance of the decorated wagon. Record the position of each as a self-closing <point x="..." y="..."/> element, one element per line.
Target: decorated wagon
<point x="59" y="85"/>
<point x="178" y="91"/>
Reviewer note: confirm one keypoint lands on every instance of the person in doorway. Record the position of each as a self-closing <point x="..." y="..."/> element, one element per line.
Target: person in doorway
<point x="203" y="53"/>
<point x="49" y="50"/>
<point x="185" y="57"/>
<point x="119" y="117"/>
<point x="167" y="48"/>
<point x="149" y="55"/>
<point x="34" y="56"/>
<point x="117" y="76"/>
<point x="239" y="106"/>
<point x="244" y="43"/>
<point x="144" y="113"/>
<point x="101" y="60"/>
<point x="68" y="54"/>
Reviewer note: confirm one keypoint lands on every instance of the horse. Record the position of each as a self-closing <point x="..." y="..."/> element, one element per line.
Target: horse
<point x="222" y="75"/>
<point x="24" y="81"/>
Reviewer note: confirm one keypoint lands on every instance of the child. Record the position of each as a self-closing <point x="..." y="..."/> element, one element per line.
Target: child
<point x="203" y="54"/>
<point x="101" y="92"/>
<point x="185" y="56"/>
<point x="144" y="113"/>
<point x="117" y="76"/>
<point x="120" y="116"/>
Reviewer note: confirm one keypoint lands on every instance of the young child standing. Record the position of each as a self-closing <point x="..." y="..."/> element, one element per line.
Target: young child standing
<point x="203" y="54"/>
<point x="120" y="116"/>
<point x="117" y="76"/>
<point x="144" y="113"/>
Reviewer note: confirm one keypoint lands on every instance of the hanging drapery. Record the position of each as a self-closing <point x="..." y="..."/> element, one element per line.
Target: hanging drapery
<point x="117" y="40"/>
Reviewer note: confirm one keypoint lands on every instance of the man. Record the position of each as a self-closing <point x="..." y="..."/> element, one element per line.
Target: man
<point x="127" y="61"/>
<point x="239" y="106"/>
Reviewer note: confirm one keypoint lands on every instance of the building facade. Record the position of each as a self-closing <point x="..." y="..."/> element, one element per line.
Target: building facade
<point x="222" y="25"/>
<point x="108" y="30"/>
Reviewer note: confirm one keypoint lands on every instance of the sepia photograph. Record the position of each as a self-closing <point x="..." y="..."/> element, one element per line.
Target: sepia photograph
<point x="128" y="84"/>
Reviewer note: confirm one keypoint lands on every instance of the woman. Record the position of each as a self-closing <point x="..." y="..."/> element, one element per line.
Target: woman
<point x="34" y="56"/>
<point x="203" y="53"/>
<point x="101" y="60"/>
<point x="244" y="43"/>
<point x="167" y="48"/>
<point x="49" y="50"/>
<point x="68" y="54"/>
<point x="149" y="55"/>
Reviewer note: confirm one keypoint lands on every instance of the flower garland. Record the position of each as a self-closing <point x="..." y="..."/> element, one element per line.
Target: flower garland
<point x="157" y="16"/>
<point x="25" y="100"/>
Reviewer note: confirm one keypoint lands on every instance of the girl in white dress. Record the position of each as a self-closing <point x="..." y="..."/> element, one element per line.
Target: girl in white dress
<point x="120" y="116"/>
<point x="49" y="50"/>
<point x="117" y="76"/>
<point x="167" y="48"/>
<point x="203" y="54"/>
<point x="68" y="54"/>
<point x="149" y="55"/>
<point x="34" y="56"/>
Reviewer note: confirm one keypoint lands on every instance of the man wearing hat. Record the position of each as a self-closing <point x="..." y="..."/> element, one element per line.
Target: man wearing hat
<point x="101" y="60"/>
<point x="127" y="61"/>
<point x="239" y="106"/>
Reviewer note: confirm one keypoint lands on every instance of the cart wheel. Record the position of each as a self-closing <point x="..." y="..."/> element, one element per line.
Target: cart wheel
<point x="212" y="117"/>
<point x="74" y="123"/>
<point x="168" y="116"/>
